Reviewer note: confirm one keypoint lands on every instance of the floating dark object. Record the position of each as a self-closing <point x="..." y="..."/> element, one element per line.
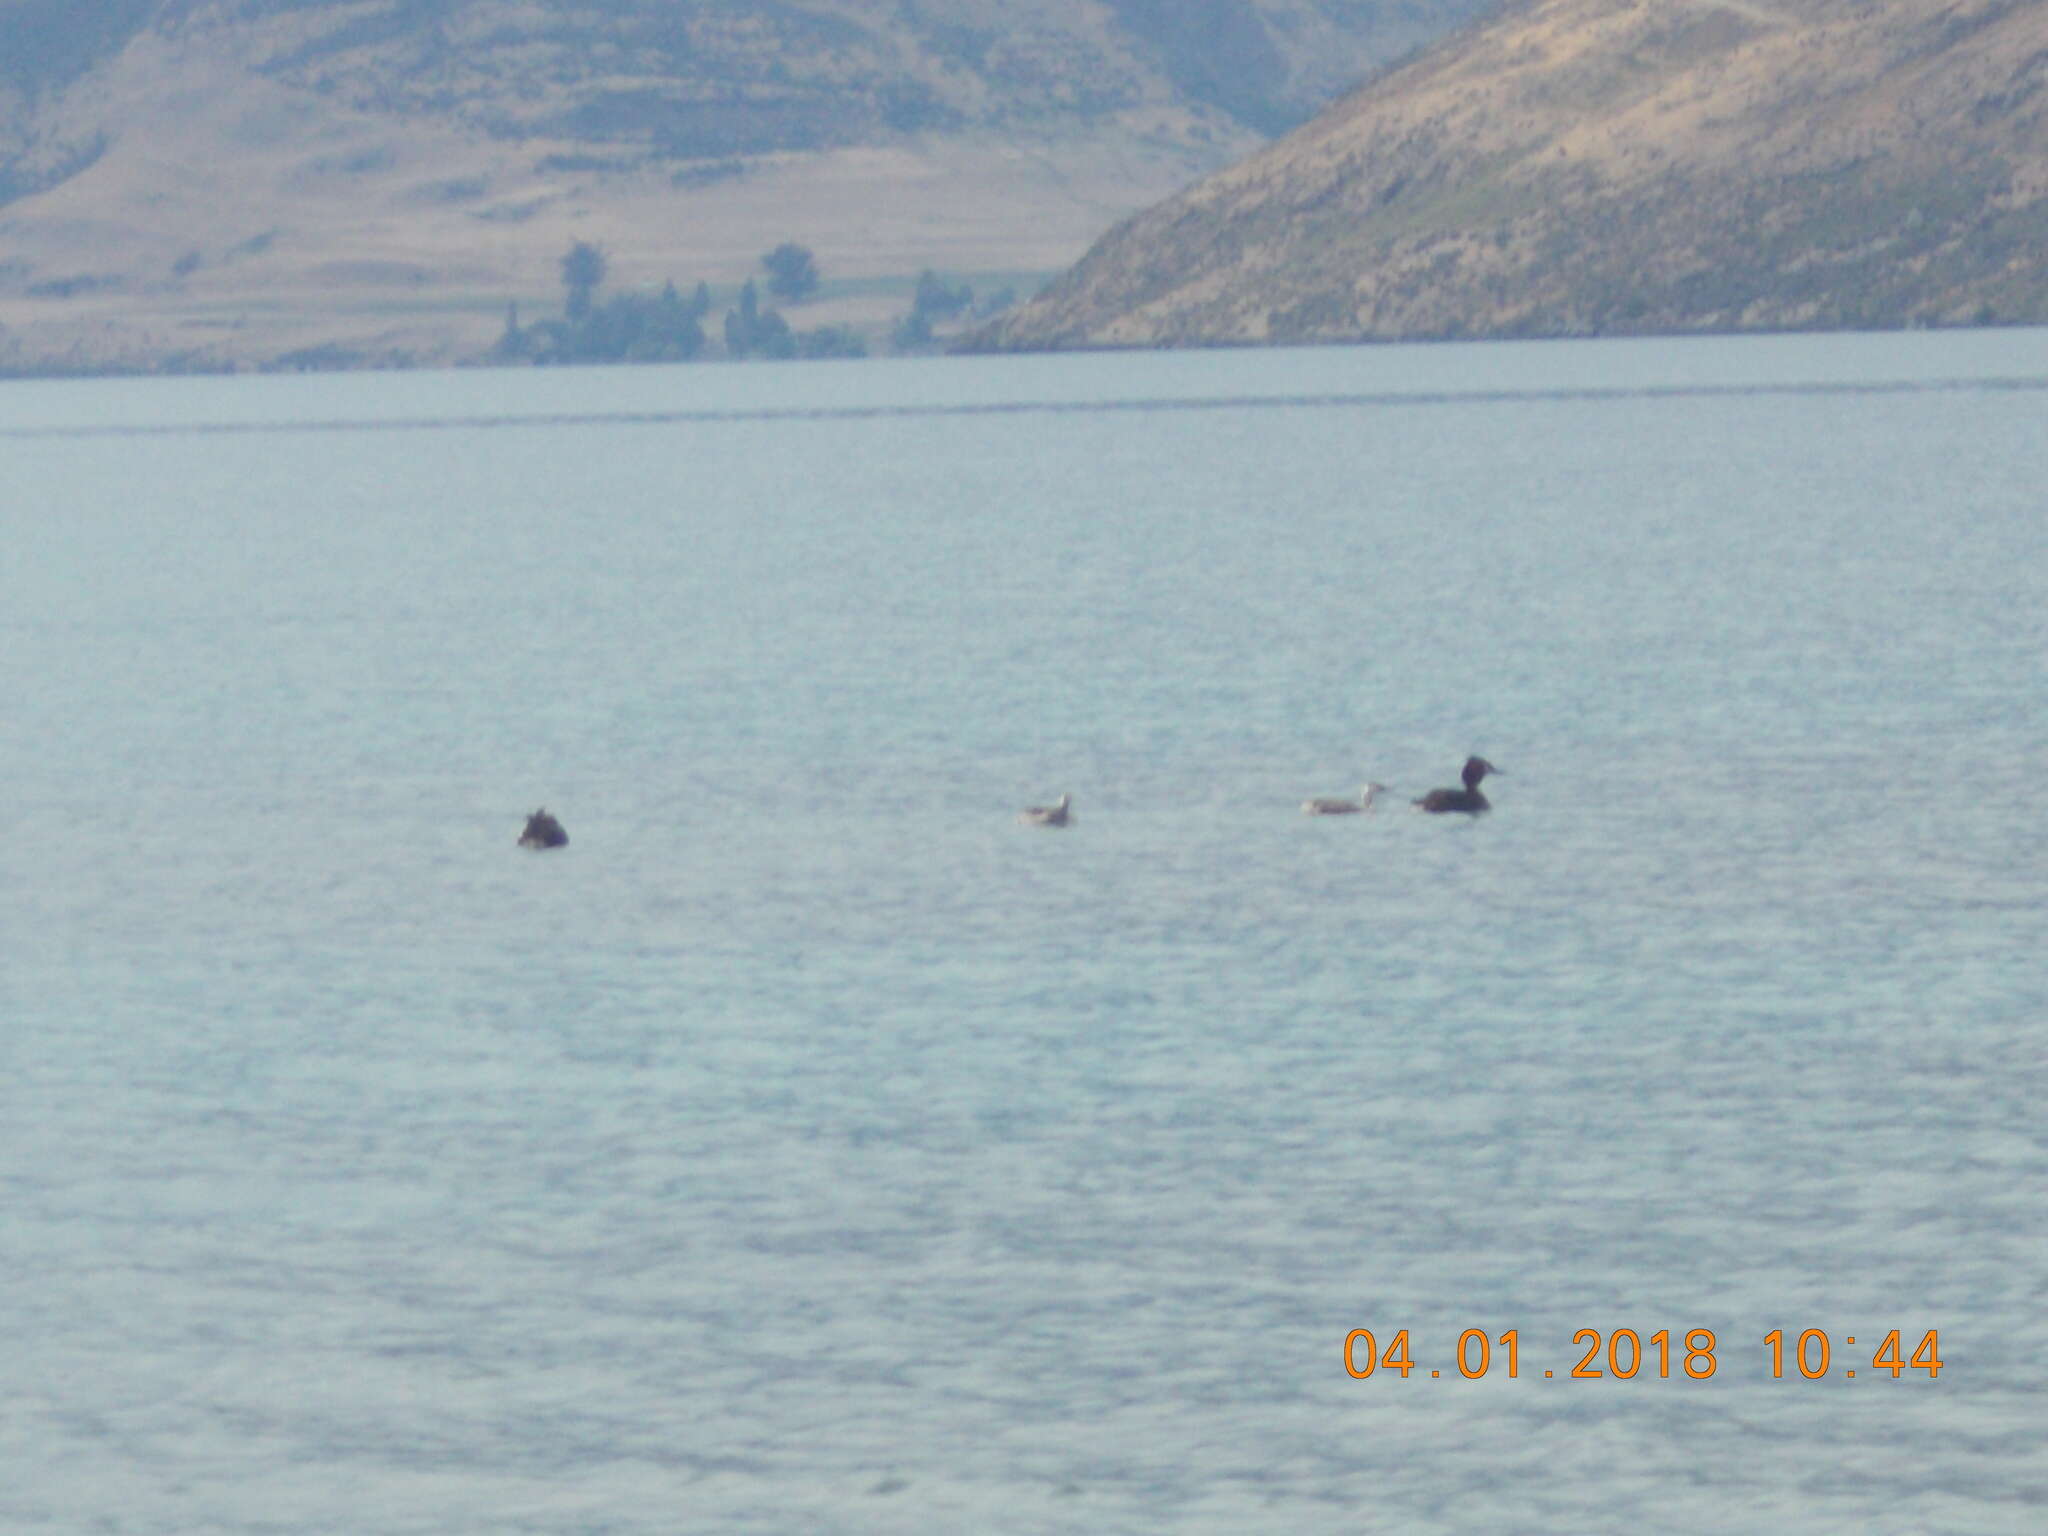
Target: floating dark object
<point x="543" y="831"/>
<point x="1046" y="815"/>
<point x="1468" y="799"/>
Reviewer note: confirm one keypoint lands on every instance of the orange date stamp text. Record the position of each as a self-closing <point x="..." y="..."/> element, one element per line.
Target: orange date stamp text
<point x="1624" y="1353"/>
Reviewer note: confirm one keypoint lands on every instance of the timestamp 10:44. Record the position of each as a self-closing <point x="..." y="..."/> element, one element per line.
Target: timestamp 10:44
<point x="1623" y="1353"/>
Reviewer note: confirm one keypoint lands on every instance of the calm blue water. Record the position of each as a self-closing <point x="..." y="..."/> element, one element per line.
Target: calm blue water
<point x="811" y="1148"/>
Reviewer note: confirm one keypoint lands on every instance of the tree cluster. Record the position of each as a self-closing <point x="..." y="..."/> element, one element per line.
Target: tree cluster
<point x="936" y="302"/>
<point x="667" y="328"/>
<point x="626" y="328"/>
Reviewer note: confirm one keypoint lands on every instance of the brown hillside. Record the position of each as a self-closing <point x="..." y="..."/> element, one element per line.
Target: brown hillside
<point x="190" y="183"/>
<point x="1579" y="167"/>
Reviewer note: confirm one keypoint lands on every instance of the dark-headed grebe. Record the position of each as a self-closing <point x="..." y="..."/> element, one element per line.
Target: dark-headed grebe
<point x="1046" y="815"/>
<point x="1468" y="799"/>
<point x="543" y="831"/>
<point x="1322" y="806"/>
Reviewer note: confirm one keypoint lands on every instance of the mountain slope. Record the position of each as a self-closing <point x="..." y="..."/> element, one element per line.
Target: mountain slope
<point x="199" y="182"/>
<point x="1579" y="167"/>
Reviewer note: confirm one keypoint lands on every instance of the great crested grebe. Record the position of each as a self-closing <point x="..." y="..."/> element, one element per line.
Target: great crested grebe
<point x="1469" y="799"/>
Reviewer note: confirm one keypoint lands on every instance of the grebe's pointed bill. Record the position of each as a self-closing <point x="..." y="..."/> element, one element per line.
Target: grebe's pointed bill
<point x="1468" y="800"/>
<point x="1047" y="815"/>
<point x="1324" y="805"/>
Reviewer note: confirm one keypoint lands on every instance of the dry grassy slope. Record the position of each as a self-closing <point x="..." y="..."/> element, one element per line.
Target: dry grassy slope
<point x="380" y="178"/>
<point x="718" y="76"/>
<point x="237" y="219"/>
<point x="1588" y="166"/>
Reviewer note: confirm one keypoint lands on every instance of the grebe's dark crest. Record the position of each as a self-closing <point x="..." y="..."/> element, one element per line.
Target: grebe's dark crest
<point x="543" y="831"/>
<point x="1323" y="806"/>
<point x="1469" y="799"/>
<point x="1046" y="815"/>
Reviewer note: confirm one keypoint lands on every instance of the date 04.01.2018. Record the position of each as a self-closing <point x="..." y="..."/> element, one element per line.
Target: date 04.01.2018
<point x="1623" y="1353"/>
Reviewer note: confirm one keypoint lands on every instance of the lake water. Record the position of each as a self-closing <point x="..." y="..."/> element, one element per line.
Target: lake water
<point x="810" y="1147"/>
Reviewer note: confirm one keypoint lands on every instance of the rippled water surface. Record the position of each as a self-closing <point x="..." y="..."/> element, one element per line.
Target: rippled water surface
<point x="810" y="1147"/>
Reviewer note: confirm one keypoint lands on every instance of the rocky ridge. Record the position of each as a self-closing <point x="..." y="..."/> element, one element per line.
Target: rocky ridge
<point x="1588" y="167"/>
